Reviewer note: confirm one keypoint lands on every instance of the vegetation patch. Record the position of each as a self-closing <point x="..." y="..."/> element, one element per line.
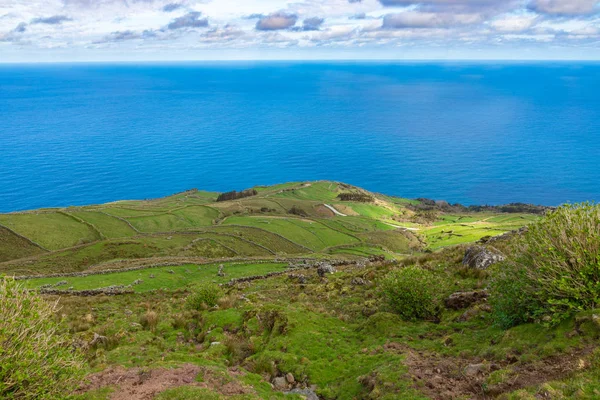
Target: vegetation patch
<point x="553" y="270"/>
<point x="414" y="293"/>
<point x="233" y="195"/>
<point x="36" y="358"/>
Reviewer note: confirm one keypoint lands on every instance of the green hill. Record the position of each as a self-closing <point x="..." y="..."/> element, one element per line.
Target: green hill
<point x="304" y="218"/>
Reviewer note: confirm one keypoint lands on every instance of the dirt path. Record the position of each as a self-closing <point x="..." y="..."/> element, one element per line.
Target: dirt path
<point x="400" y="226"/>
<point x="336" y="212"/>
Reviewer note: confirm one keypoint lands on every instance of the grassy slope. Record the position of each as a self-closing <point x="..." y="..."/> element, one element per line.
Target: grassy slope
<point x="338" y="335"/>
<point x="52" y="230"/>
<point x="13" y="246"/>
<point x="176" y="277"/>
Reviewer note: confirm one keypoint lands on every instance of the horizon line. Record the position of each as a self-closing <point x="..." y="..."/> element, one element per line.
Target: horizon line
<point x="311" y="60"/>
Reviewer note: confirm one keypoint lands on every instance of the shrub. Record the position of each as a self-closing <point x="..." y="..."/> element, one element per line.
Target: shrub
<point x="413" y="293"/>
<point x="204" y="296"/>
<point x="512" y="295"/>
<point x="297" y="211"/>
<point x="37" y="361"/>
<point x="233" y="195"/>
<point x="360" y="197"/>
<point x="273" y="319"/>
<point x="556" y="264"/>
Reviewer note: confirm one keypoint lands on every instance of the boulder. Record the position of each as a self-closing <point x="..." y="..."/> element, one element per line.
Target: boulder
<point x="460" y="300"/>
<point x="324" y="269"/>
<point x="479" y="257"/>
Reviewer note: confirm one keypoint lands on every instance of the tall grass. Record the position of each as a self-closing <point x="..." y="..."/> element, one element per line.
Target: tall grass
<point x="37" y="360"/>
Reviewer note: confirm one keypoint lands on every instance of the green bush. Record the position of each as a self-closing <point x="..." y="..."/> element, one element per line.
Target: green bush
<point x="414" y="293"/>
<point x="204" y="296"/>
<point x="555" y="264"/>
<point x="37" y="361"/>
<point x="512" y="295"/>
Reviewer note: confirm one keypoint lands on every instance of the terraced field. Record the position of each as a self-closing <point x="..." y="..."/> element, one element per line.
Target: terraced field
<point x="291" y="219"/>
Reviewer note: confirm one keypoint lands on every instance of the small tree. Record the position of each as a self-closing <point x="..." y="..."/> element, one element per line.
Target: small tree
<point x="37" y="360"/>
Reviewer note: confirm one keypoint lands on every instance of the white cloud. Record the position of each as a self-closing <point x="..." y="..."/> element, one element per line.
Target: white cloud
<point x="417" y="19"/>
<point x="514" y="23"/>
<point x="157" y="26"/>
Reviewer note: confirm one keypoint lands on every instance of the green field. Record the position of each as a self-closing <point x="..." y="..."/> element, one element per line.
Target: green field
<point x="52" y="230"/>
<point x="310" y="234"/>
<point x="175" y="277"/>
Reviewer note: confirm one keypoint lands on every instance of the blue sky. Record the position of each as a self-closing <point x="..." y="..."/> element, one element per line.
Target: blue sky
<point x="166" y="30"/>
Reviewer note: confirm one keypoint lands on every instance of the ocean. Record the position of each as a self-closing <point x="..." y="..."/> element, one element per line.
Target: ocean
<point x="473" y="133"/>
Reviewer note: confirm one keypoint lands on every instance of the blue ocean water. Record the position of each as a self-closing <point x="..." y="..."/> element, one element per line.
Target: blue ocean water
<point x="469" y="133"/>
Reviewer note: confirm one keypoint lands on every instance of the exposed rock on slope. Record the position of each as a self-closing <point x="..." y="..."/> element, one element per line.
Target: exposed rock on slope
<point x="480" y="257"/>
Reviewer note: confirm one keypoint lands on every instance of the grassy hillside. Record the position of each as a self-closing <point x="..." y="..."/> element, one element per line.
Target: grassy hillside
<point x="305" y="218"/>
<point x="276" y="323"/>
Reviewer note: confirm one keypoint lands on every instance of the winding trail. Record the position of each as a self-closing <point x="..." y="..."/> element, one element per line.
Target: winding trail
<point x="400" y="226"/>
<point x="336" y="212"/>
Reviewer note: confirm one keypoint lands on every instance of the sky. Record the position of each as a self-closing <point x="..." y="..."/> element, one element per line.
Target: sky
<point x="169" y="30"/>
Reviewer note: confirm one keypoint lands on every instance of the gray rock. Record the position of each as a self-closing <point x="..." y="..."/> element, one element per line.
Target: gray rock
<point x="280" y="383"/>
<point x="460" y="300"/>
<point x="324" y="269"/>
<point x="98" y="339"/>
<point x="308" y="394"/>
<point x="290" y="378"/>
<point x="479" y="257"/>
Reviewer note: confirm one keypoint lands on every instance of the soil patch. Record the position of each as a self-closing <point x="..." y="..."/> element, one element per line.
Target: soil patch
<point x="142" y="384"/>
<point x="324" y="211"/>
<point x="446" y="378"/>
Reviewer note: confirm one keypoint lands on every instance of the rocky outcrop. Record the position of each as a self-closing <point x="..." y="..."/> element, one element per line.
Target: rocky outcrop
<point x="479" y="257"/>
<point x="460" y="300"/>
